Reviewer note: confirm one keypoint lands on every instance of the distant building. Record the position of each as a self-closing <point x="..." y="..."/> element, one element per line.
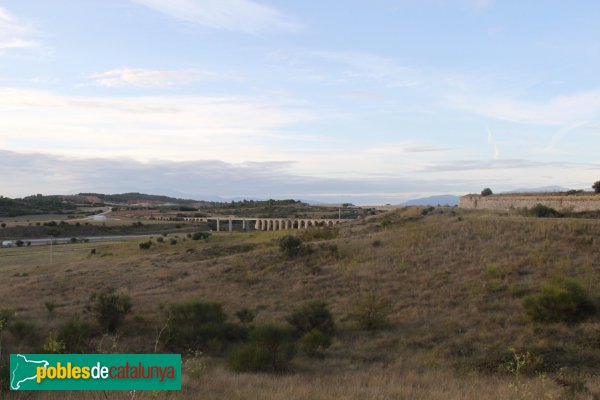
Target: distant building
<point x="7" y="243"/>
<point x="559" y="201"/>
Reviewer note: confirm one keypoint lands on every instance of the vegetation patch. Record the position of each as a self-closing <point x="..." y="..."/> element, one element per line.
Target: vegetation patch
<point x="563" y="299"/>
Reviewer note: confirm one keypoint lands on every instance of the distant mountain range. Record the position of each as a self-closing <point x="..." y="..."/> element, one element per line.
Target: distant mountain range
<point x="442" y="200"/>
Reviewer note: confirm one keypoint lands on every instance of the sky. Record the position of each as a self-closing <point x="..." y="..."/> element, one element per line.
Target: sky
<point x="367" y="102"/>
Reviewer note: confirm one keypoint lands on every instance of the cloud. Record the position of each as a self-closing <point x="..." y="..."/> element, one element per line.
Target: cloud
<point x="490" y="139"/>
<point x="146" y="127"/>
<point x="212" y="179"/>
<point x="343" y="67"/>
<point x="405" y="147"/>
<point x="360" y="95"/>
<point x="556" y="111"/>
<point x="147" y="77"/>
<point x="15" y="33"/>
<point x="553" y="146"/>
<point x="478" y="165"/>
<point x="235" y="15"/>
<point x="369" y="67"/>
<point x="200" y="179"/>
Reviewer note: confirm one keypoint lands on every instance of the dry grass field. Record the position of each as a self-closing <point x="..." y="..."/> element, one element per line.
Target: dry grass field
<point x="454" y="282"/>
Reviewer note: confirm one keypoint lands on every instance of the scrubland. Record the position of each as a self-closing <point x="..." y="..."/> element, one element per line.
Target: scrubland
<point x="451" y="286"/>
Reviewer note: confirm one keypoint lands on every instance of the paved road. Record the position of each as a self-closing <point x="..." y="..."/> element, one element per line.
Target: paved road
<point x="46" y="241"/>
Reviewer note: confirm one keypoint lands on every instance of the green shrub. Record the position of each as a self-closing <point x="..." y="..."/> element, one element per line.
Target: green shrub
<point x="314" y="343"/>
<point x="22" y="330"/>
<point x="542" y="211"/>
<point x="50" y="306"/>
<point x="110" y="310"/>
<point x="245" y="315"/>
<point x="564" y="299"/>
<point x="271" y="348"/>
<point x="200" y="235"/>
<point x="76" y="335"/>
<point x="427" y="210"/>
<point x="200" y="326"/>
<point x="312" y="315"/>
<point x="371" y="312"/>
<point x="385" y="222"/>
<point x="5" y="317"/>
<point x="290" y="245"/>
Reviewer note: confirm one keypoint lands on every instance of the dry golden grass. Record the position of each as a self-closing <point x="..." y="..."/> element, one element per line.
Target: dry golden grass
<point x="455" y="281"/>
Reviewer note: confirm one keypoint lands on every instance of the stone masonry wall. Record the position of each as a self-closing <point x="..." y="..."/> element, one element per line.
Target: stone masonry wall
<point x="577" y="203"/>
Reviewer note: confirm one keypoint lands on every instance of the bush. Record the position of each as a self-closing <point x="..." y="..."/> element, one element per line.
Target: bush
<point x="146" y="245"/>
<point x="53" y="345"/>
<point x="110" y="310"/>
<point x="76" y="335"/>
<point x="245" y="315"/>
<point x="541" y="211"/>
<point x="271" y="349"/>
<point x="200" y="326"/>
<point x="19" y="243"/>
<point x="50" y="306"/>
<point x="160" y="239"/>
<point x="290" y="245"/>
<point x="427" y="210"/>
<point x="487" y="192"/>
<point x="312" y="315"/>
<point x="314" y="343"/>
<point x="564" y="299"/>
<point x="596" y="186"/>
<point x="22" y="330"/>
<point x="372" y="312"/>
<point x="200" y="235"/>
<point x="385" y="222"/>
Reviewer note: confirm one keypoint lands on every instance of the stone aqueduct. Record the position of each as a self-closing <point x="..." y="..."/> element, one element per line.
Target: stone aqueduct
<point x="264" y="224"/>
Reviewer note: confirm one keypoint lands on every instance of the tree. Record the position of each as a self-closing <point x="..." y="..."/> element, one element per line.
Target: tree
<point x="596" y="186"/>
<point x="290" y="245"/>
<point x="487" y="192"/>
<point x="110" y="310"/>
<point x="312" y="315"/>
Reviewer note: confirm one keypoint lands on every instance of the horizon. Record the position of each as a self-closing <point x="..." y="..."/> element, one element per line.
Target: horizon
<point x="427" y="199"/>
<point x="363" y="104"/>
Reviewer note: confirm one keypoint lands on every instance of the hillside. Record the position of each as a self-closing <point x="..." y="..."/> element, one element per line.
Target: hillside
<point x="144" y="205"/>
<point x="454" y="282"/>
<point x="32" y="205"/>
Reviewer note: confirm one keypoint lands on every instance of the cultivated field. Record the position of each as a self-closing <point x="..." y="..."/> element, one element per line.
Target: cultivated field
<point x="450" y="284"/>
